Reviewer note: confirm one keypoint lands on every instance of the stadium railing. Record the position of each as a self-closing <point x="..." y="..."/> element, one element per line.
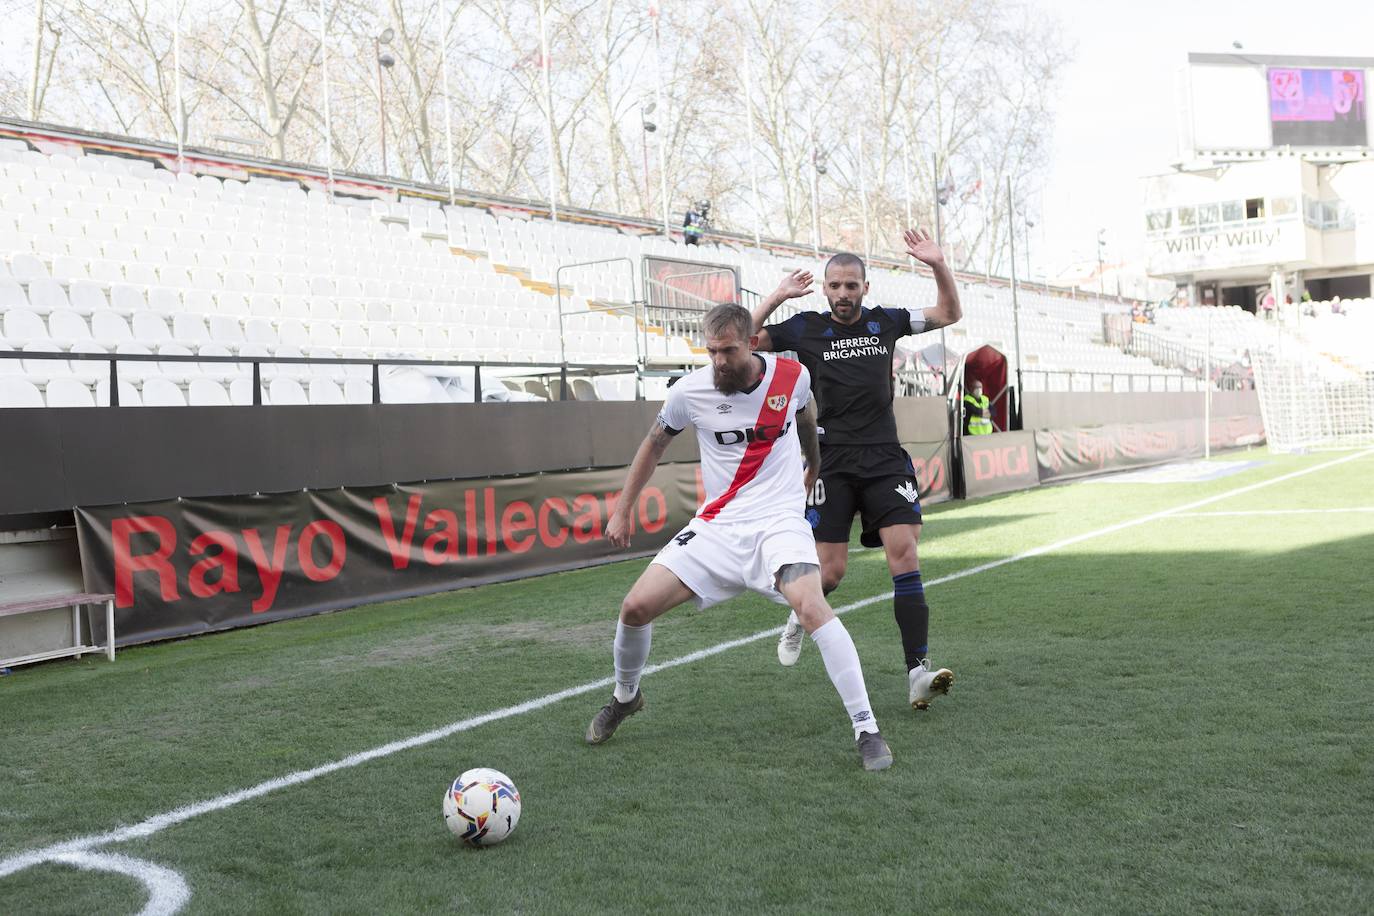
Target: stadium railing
<point x="521" y="369"/>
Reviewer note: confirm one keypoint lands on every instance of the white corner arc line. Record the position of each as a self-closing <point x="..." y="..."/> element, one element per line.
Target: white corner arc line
<point x="167" y="890"/>
<point x="171" y="818"/>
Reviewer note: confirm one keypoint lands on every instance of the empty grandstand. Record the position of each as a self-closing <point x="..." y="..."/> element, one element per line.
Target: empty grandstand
<point x="115" y="254"/>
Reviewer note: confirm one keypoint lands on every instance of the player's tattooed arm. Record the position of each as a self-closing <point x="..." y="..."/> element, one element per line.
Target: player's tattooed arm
<point x="795" y="571"/>
<point x="947" y="309"/>
<point x="810" y="443"/>
<point x="793" y="286"/>
<point x="641" y="469"/>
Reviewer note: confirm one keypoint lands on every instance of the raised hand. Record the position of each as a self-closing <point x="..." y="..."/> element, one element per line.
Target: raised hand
<point x="794" y="285"/>
<point x="922" y="247"/>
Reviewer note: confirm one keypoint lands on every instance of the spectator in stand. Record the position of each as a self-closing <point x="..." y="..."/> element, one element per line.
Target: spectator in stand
<point x="1267" y="305"/>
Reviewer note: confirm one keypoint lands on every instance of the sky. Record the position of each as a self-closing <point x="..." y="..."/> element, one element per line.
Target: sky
<point x="1116" y="115"/>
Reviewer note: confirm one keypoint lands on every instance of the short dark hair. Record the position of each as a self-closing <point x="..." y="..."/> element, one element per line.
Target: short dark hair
<point x="846" y="259"/>
<point x="728" y="317"/>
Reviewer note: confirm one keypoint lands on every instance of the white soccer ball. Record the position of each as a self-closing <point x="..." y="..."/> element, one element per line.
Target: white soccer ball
<point x="482" y="807"/>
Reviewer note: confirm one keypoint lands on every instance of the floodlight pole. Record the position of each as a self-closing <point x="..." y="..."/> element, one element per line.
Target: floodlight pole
<point x="940" y="243"/>
<point x="37" y="59"/>
<point x="863" y="198"/>
<point x="815" y="190"/>
<point x="448" y="107"/>
<point x="328" y="120"/>
<point x="381" y="103"/>
<point x="663" y="120"/>
<point x="1015" y="305"/>
<point x="749" y="122"/>
<point x="180" y="106"/>
<point x="1207" y="398"/>
<point x="548" y="108"/>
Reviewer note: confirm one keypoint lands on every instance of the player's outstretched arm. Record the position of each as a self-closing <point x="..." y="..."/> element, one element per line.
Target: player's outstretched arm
<point x="947" y="309"/>
<point x="793" y="286"/>
<point x="810" y="443"/>
<point x="641" y="469"/>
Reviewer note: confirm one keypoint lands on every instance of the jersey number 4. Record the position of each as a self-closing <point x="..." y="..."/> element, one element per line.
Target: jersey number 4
<point x="684" y="537"/>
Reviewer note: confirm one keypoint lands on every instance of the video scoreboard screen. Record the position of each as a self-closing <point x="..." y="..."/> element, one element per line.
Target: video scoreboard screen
<point x="1309" y="107"/>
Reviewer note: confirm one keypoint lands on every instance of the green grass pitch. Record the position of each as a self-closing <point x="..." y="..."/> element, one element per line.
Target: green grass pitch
<point x="1173" y="716"/>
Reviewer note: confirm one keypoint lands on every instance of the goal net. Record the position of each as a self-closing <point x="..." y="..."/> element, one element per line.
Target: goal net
<point x="1310" y="401"/>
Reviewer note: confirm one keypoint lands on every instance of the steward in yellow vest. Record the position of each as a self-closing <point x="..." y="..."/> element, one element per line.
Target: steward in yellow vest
<point x="977" y="412"/>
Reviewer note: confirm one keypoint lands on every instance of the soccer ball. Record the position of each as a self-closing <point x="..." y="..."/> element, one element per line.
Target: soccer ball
<point x="482" y="807"/>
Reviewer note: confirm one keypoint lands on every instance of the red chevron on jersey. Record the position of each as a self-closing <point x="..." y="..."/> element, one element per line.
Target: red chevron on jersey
<point x="773" y="413"/>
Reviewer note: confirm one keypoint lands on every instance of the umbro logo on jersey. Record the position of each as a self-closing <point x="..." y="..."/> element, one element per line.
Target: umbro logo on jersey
<point x="907" y="491"/>
<point x="829" y="332"/>
<point x="777" y="402"/>
<point x="722" y="408"/>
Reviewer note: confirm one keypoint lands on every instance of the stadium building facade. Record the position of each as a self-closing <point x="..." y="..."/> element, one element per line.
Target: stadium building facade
<point x="1273" y="193"/>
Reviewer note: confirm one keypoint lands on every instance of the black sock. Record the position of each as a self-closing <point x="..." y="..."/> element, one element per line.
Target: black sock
<point x="913" y="616"/>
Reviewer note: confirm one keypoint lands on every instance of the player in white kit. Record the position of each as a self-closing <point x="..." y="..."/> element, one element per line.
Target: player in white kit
<point x="750" y="410"/>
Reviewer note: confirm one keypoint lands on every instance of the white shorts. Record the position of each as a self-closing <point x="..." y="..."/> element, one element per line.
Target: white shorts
<point x="717" y="561"/>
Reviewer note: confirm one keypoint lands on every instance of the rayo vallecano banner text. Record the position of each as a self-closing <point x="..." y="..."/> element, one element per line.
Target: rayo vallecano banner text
<point x="185" y="566"/>
<point x="1064" y="453"/>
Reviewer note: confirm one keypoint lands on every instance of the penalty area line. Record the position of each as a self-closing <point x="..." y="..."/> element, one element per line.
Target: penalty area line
<point x="73" y="851"/>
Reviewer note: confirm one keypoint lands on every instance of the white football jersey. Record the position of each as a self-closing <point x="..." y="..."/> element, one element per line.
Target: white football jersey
<point x="751" y="459"/>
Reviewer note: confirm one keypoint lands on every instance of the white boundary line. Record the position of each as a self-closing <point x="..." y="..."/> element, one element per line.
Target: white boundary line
<point x="1274" y="512"/>
<point x="161" y="881"/>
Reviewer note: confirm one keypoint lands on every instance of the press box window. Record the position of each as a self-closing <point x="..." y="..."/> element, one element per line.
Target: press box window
<point x="1254" y="208"/>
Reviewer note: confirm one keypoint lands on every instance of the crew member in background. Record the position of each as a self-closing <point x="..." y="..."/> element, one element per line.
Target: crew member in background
<point x="977" y="411"/>
<point x="864" y="469"/>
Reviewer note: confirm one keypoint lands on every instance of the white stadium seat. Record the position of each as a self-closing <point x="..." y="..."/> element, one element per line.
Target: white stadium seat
<point x="26" y="267"/>
<point x="128" y="394"/>
<point x="205" y="392"/>
<point x="67" y="328"/>
<point x="17" y="392"/>
<point x="160" y="392"/>
<point x="287" y="391"/>
<point x="69" y="392"/>
<point x="22" y="326"/>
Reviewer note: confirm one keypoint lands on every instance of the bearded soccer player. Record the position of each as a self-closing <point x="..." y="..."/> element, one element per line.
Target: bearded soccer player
<point x="864" y="469"/>
<point x="750" y="412"/>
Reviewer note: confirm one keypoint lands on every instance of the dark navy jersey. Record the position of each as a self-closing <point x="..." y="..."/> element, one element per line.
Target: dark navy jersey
<point x="851" y="369"/>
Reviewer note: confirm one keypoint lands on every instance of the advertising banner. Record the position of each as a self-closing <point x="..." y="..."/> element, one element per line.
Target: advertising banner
<point x="999" y="463"/>
<point x="184" y="566"/>
<point x="930" y="462"/>
<point x="1065" y="453"/>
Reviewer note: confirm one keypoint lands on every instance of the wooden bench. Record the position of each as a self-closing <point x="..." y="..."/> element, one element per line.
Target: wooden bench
<point x="50" y="602"/>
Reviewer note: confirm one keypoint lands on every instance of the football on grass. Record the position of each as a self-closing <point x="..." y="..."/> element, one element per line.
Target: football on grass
<point x="482" y="807"/>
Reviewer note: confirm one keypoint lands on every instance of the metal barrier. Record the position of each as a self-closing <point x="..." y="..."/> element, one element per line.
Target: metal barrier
<point x="1054" y="380"/>
<point x="114" y="359"/>
<point x="632" y="309"/>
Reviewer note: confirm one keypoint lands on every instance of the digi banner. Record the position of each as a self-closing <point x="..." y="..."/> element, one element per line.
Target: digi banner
<point x="999" y="463"/>
<point x="184" y="566"/>
<point x="1065" y="453"/>
<point x="1317" y="107"/>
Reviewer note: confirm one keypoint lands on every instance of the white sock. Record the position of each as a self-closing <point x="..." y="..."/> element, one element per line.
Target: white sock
<point x="631" y="651"/>
<point x="842" y="664"/>
<point x="792" y="620"/>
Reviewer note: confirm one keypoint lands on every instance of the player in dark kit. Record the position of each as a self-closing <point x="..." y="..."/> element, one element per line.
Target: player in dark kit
<point x="864" y="469"/>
